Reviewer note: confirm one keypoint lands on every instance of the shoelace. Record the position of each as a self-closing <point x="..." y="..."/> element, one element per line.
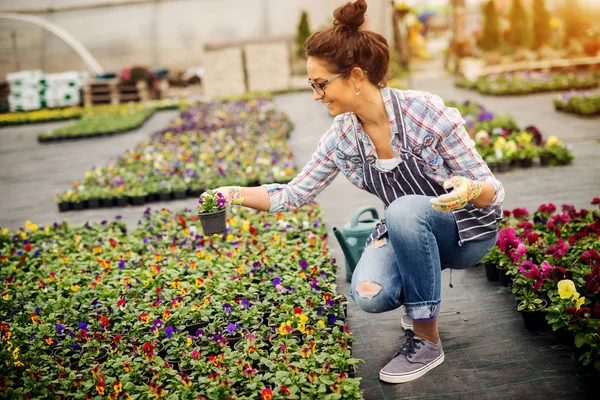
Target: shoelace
<point x="410" y="346"/>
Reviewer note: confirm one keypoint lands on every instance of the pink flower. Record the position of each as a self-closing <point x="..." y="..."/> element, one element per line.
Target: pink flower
<point x="518" y="253"/>
<point x="547" y="269"/>
<point x="520" y="213"/>
<point x="527" y="268"/>
<point x="558" y="250"/>
<point x="547" y="208"/>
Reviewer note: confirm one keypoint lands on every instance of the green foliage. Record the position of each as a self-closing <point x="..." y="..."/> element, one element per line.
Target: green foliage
<point x="303" y="33"/>
<point x="541" y="24"/>
<point x="519" y="25"/>
<point x="491" y="39"/>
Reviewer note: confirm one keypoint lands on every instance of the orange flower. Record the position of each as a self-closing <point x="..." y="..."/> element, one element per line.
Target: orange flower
<point x="267" y="394"/>
<point x="117" y="387"/>
<point x="100" y="388"/>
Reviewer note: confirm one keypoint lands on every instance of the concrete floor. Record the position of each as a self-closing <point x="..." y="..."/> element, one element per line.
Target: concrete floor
<point x="489" y="353"/>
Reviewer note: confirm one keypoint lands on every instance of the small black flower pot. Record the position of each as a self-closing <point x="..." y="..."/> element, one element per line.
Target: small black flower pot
<point x="491" y="272"/>
<point x="180" y="194"/>
<point x="213" y="223"/>
<point x="503" y="167"/>
<point x="137" y="200"/>
<point x="504" y="279"/>
<point x="78" y="205"/>
<point x="534" y="320"/>
<point x="122" y="201"/>
<point x="545" y="160"/>
<point x="192" y="328"/>
<point x="194" y="192"/>
<point x="526" y="163"/>
<point x="565" y="337"/>
<point x="64" y="206"/>
<point x="253" y="183"/>
<point x="164" y="197"/>
<point x="92" y="203"/>
<point x="151" y="198"/>
<point x="107" y="202"/>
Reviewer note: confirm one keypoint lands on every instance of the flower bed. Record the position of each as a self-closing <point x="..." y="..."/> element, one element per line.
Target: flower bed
<point x="165" y="311"/>
<point x="108" y="120"/>
<point x="209" y="145"/>
<point x="515" y="83"/>
<point x="39" y="116"/>
<point x="552" y="262"/>
<point x="61" y="114"/>
<point x="582" y="104"/>
<point x="503" y="145"/>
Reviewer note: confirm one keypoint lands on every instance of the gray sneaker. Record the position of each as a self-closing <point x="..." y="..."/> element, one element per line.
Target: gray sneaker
<point x="415" y="358"/>
<point x="405" y="320"/>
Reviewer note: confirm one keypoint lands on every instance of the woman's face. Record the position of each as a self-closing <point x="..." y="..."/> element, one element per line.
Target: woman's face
<point x="339" y="93"/>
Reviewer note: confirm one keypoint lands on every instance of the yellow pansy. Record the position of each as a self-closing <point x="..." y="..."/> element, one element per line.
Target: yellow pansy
<point x="4" y="231"/>
<point x="230" y="237"/>
<point x="554" y="141"/>
<point x="321" y="323"/>
<point x="579" y="302"/>
<point x="566" y="289"/>
<point x="208" y="257"/>
<point x="23" y="235"/>
<point x="233" y="221"/>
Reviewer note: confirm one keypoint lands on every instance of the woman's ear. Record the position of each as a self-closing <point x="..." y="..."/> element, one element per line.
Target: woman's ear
<point x="357" y="74"/>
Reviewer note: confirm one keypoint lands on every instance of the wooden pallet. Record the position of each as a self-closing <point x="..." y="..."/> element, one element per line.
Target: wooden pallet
<point x="110" y="91"/>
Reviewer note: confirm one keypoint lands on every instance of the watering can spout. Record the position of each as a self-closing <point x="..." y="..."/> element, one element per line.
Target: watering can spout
<point x="350" y="258"/>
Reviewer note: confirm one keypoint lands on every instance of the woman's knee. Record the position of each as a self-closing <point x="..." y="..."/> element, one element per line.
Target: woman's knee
<point x="371" y="297"/>
<point x="408" y="210"/>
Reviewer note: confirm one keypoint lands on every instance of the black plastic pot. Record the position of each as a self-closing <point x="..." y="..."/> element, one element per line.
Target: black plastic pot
<point x="137" y="200"/>
<point x="78" y="205"/>
<point x="64" y="206"/>
<point x="491" y="272"/>
<point x="535" y="320"/>
<point x="564" y="337"/>
<point x="194" y="192"/>
<point x="213" y="223"/>
<point x="92" y="203"/>
<point x="164" y="197"/>
<point x="151" y="198"/>
<point x="545" y="160"/>
<point x="503" y="167"/>
<point x="526" y="163"/>
<point x="180" y="194"/>
<point x="107" y="202"/>
<point x="504" y="279"/>
<point x="121" y="202"/>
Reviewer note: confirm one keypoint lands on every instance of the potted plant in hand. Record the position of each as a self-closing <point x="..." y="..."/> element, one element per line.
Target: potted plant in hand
<point x="212" y="210"/>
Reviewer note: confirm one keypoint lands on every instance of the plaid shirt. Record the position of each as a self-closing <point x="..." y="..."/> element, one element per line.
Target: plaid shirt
<point x="433" y="131"/>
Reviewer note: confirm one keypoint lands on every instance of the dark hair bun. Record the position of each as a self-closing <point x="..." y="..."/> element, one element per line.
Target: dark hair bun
<point x="350" y="15"/>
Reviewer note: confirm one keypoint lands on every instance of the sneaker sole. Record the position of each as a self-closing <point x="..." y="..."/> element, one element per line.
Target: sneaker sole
<point x="413" y="375"/>
<point x="406" y="326"/>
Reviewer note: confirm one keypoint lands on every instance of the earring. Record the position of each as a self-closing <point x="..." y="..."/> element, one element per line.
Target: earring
<point x="358" y="92"/>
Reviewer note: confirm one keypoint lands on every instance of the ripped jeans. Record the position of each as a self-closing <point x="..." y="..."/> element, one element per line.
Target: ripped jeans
<point x="405" y="266"/>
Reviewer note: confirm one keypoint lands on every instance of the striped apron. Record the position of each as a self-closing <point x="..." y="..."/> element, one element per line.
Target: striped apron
<point x="408" y="178"/>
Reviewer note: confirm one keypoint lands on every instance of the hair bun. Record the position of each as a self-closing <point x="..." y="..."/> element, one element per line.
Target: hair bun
<point x="350" y="15"/>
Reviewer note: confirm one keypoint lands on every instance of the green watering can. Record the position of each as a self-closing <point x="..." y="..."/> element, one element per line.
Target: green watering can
<point x="355" y="234"/>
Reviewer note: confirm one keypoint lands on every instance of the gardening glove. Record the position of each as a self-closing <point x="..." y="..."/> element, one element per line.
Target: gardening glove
<point x="234" y="195"/>
<point x="464" y="190"/>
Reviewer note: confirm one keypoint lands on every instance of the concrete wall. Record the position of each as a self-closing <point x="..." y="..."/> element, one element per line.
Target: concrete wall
<point x="165" y="33"/>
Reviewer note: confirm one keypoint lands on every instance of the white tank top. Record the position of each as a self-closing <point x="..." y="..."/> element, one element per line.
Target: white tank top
<point x="388" y="163"/>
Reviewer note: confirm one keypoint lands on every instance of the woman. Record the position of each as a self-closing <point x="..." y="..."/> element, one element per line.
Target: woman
<point x="442" y="202"/>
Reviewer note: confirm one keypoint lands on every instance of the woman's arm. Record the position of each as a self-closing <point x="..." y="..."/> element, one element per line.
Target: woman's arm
<point x="257" y="198"/>
<point x="460" y="156"/>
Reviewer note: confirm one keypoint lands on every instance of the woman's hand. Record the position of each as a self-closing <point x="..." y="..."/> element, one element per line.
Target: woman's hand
<point x="464" y="190"/>
<point x="234" y="195"/>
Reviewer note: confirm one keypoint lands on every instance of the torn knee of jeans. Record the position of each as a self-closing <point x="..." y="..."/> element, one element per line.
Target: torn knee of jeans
<point x="368" y="289"/>
<point x="379" y="243"/>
